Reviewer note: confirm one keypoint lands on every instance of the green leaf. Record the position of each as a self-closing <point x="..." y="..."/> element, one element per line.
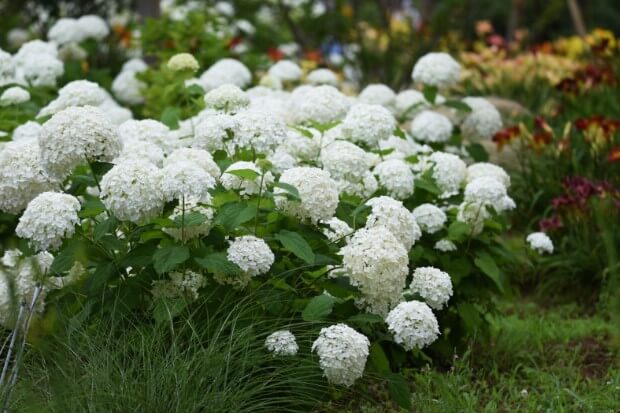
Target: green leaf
<point x="104" y="227"/>
<point x="399" y="132"/>
<point x="168" y="257"/>
<point x="217" y="263"/>
<point x="487" y="264"/>
<point x="470" y="316"/>
<point x="195" y="90"/>
<point x="366" y="318"/>
<point x="141" y="256"/>
<point x="101" y="168"/>
<point x="430" y="93"/>
<point x="233" y="214"/>
<point x="318" y="308"/>
<point x="458" y="105"/>
<point x="378" y="359"/>
<point x="477" y="152"/>
<point x="290" y="191"/>
<point x="399" y="390"/>
<point x="295" y="243"/>
<point x="170" y="117"/>
<point x="167" y="308"/>
<point x="458" y="231"/>
<point x="100" y="277"/>
<point x="63" y="261"/>
<point x="428" y="184"/>
<point x="248" y="174"/>
<point x="92" y="208"/>
<point x="191" y="219"/>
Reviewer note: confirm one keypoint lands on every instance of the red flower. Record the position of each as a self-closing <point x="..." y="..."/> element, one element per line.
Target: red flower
<point x="275" y="54"/>
<point x="505" y="136"/>
<point x="614" y="154"/>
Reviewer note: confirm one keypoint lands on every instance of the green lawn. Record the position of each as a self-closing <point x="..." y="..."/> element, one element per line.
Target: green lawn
<point x="541" y="360"/>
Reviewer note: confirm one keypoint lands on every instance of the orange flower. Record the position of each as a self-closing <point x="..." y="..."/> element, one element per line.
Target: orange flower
<point x="614" y="154"/>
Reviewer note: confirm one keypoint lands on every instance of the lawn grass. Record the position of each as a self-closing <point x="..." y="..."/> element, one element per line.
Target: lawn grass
<point x="553" y="359"/>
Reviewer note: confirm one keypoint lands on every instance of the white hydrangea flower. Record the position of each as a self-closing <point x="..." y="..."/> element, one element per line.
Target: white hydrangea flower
<point x="35" y="48"/>
<point x="93" y="27"/>
<point x="134" y="65"/>
<point x="18" y="282"/>
<point x="540" y="242"/>
<point x="22" y="176"/>
<point x="17" y="36"/>
<point x="336" y="229"/>
<point x="482" y="122"/>
<point x="409" y="102"/>
<point x="377" y="263"/>
<point x="396" y="177"/>
<point x="474" y="214"/>
<point x="48" y="220"/>
<point x="66" y="30"/>
<point x="445" y="245"/>
<point x="128" y="88"/>
<point x="282" y="160"/>
<point x="27" y="131"/>
<point x="192" y="205"/>
<point x="245" y="186"/>
<point x="227" y="98"/>
<point x="403" y="148"/>
<point x="7" y="68"/>
<point x="116" y="113"/>
<point x="342" y="354"/>
<point x="141" y="149"/>
<point x="281" y="343"/>
<point x="14" y="96"/>
<point x="448" y="171"/>
<point x="321" y="104"/>
<point x="131" y="190"/>
<point x="304" y="147"/>
<point x="391" y="214"/>
<point x="75" y="93"/>
<point x="361" y="188"/>
<point x="185" y="179"/>
<point x="226" y="71"/>
<point x="322" y="76"/>
<point x="259" y="131"/>
<point x="183" y="62"/>
<point x="368" y="124"/>
<point x="285" y="70"/>
<point x="149" y="130"/>
<point x="413" y="325"/>
<point x="179" y="284"/>
<point x="433" y="127"/>
<point x="214" y="132"/>
<point x="378" y="94"/>
<point x="433" y="285"/>
<point x="345" y="160"/>
<point x="485" y="169"/>
<point x="39" y="70"/>
<point x="436" y="69"/>
<point x="318" y="193"/>
<point x="200" y="157"/>
<point x="489" y="191"/>
<point x="75" y="136"/>
<point x="430" y="218"/>
<point x="252" y="255"/>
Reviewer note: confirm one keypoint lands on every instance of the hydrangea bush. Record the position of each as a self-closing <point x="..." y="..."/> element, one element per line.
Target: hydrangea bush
<point x="375" y="223"/>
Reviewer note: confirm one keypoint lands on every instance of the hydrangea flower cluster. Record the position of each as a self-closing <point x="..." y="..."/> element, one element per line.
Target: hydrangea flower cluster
<point x="48" y="219"/>
<point x="342" y="353"/>
<point x="310" y="158"/>
<point x="540" y="242"/>
<point x="281" y="343"/>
